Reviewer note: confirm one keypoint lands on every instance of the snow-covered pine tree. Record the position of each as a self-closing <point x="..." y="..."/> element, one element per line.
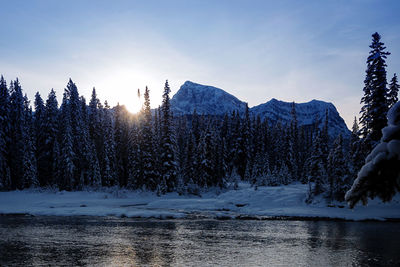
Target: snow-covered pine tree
<point x="29" y="164"/>
<point x="50" y="132"/>
<point x="205" y="168"/>
<point x="5" y="181"/>
<point x="135" y="179"/>
<point x="339" y="178"/>
<point x="374" y="101"/>
<point x="168" y="158"/>
<point x="244" y="145"/>
<point x="294" y="145"/>
<point x="357" y="154"/>
<point x="65" y="164"/>
<point x="40" y="142"/>
<point x="90" y="167"/>
<point x="108" y="161"/>
<point x="393" y="92"/>
<point x="220" y="165"/>
<point x="121" y="134"/>
<point x="150" y="176"/>
<point x="316" y="172"/>
<point x="379" y="177"/>
<point x="325" y="142"/>
<point x="96" y="128"/>
<point x="17" y="116"/>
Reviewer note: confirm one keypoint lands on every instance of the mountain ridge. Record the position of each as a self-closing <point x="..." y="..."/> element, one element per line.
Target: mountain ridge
<point x="210" y="100"/>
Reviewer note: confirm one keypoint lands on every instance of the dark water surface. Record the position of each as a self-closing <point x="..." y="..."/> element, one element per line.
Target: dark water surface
<point x="102" y="241"/>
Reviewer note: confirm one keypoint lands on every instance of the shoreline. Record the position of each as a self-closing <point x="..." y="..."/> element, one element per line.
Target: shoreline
<point x="266" y="203"/>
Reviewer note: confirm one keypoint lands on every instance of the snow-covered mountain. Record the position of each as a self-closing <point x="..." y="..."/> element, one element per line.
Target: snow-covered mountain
<point x="205" y="99"/>
<point x="215" y="101"/>
<point x="307" y="114"/>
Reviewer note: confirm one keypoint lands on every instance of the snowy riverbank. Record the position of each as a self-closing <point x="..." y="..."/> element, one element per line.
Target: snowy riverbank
<point x="245" y="202"/>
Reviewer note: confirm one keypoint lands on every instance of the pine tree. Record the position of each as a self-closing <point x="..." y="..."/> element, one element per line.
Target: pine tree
<point x="50" y="132"/>
<point x="108" y="161"/>
<point x="244" y="145"/>
<point x="379" y="177"/>
<point x="65" y="164"/>
<point x="316" y="170"/>
<point x="338" y="171"/>
<point x="90" y="167"/>
<point x="29" y="164"/>
<point x="393" y="92"/>
<point x="17" y="116"/>
<point x="5" y="181"/>
<point x="40" y="144"/>
<point x="95" y="124"/>
<point x="121" y="134"/>
<point x="150" y="177"/>
<point x="293" y="164"/>
<point x="375" y="106"/>
<point x="357" y="154"/>
<point x="169" y="165"/>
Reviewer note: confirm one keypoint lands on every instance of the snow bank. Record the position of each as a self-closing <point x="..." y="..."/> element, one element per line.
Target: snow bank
<point x="242" y="203"/>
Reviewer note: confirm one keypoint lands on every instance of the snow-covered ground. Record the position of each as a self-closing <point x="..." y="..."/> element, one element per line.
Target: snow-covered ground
<point x="266" y="202"/>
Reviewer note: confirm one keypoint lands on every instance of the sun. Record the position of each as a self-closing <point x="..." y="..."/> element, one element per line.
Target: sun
<point x="134" y="105"/>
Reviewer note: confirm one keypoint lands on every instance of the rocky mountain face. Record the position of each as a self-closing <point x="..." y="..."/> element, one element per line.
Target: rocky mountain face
<point x="214" y="101"/>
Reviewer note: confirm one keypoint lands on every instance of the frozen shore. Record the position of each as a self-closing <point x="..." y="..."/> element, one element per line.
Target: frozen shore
<point x="266" y="202"/>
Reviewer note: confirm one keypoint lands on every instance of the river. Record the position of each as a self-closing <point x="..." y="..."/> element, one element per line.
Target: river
<point x="109" y="241"/>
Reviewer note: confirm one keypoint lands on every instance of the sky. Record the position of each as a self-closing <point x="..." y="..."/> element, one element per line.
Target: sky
<point x="255" y="50"/>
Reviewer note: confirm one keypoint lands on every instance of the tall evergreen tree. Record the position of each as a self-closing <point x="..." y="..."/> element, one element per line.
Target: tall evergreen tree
<point x="169" y="165"/>
<point x="17" y="116"/>
<point x="375" y="106"/>
<point x="4" y="135"/>
<point x="51" y="147"/>
<point x="316" y="170"/>
<point x="393" y="92"/>
<point x="29" y="164"/>
<point x="379" y="177"/>
<point x="150" y="176"/>
<point x="357" y="152"/>
<point x="40" y="134"/>
<point x="121" y="134"/>
<point x="108" y="161"/>
<point x="66" y="167"/>
<point x="338" y="171"/>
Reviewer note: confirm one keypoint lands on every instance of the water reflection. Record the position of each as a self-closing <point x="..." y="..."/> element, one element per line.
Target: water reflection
<point x="26" y="241"/>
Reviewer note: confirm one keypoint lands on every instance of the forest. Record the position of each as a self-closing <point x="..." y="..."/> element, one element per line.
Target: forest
<point x="78" y="145"/>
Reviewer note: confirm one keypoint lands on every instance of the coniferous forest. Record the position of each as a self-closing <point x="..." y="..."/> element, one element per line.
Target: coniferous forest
<point x="78" y="144"/>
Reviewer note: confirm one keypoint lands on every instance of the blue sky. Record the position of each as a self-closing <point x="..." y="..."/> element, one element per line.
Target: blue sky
<point x="255" y="50"/>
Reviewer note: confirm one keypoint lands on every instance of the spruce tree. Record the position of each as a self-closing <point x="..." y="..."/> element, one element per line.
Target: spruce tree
<point x="316" y="171"/>
<point x="51" y="147"/>
<point x="393" y="92"/>
<point x="169" y="165"/>
<point x="40" y="134"/>
<point x="375" y="106"/>
<point x="121" y="134"/>
<point x="108" y="161"/>
<point x="150" y="177"/>
<point x="379" y="177"/>
<point x="29" y="164"/>
<point x="338" y="171"/>
<point x="5" y="181"/>
<point x="17" y="123"/>
<point x="66" y="167"/>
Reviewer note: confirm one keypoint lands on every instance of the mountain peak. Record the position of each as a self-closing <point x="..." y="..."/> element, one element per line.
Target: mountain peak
<point x="215" y="101"/>
<point x="205" y="99"/>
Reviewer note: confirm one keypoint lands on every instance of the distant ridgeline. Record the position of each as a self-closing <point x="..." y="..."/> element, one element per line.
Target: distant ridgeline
<point x="76" y="145"/>
<point x="209" y="100"/>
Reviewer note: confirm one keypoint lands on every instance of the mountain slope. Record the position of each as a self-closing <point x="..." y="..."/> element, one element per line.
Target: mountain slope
<point x="214" y="101"/>
<point x="307" y="114"/>
<point x="205" y="99"/>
